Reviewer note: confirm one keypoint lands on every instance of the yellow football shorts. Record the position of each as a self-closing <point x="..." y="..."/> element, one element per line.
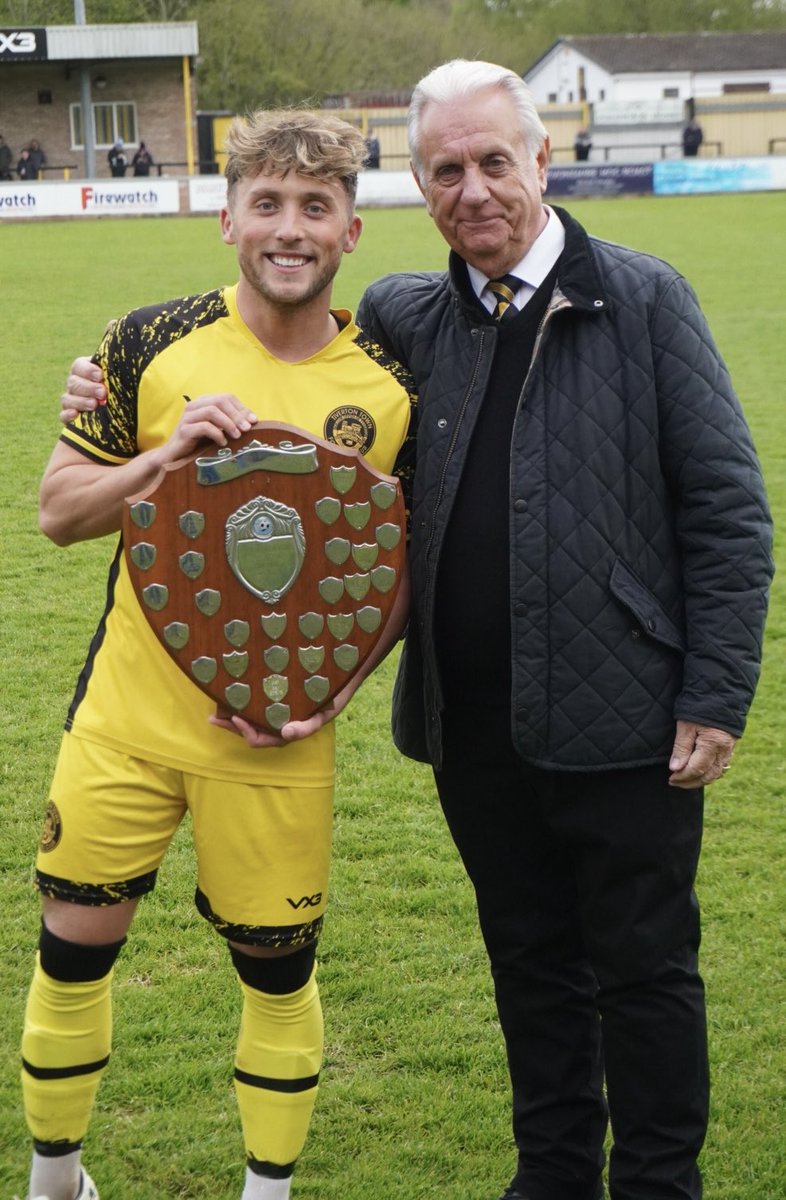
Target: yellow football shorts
<point x="263" y="852"/>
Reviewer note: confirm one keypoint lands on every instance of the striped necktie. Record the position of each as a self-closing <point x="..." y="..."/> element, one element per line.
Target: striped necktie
<point x="504" y="289"/>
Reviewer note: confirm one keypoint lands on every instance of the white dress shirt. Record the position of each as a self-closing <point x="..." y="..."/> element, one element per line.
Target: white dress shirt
<point x="533" y="268"/>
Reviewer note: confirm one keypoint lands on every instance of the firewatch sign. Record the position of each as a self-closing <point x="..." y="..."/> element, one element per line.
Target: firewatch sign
<point x="22" y="45"/>
<point x="100" y="198"/>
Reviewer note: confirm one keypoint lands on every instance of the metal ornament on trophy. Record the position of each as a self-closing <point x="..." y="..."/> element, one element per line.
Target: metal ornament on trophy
<point x="268" y="569"/>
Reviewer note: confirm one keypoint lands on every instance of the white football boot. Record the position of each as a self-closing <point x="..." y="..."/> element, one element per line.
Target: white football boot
<point x="87" y="1190"/>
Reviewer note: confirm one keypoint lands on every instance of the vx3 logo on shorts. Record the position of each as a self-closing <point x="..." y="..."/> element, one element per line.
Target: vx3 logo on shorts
<point x="306" y="901"/>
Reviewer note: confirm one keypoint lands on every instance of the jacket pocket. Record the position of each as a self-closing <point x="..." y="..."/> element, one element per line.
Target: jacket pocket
<point x="646" y="608"/>
<point x="409" y="722"/>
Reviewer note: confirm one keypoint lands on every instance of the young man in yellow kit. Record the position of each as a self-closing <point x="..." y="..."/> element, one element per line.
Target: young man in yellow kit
<point x="140" y="748"/>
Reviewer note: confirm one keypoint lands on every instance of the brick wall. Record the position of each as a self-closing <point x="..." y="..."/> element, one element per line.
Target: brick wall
<point x="154" y="86"/>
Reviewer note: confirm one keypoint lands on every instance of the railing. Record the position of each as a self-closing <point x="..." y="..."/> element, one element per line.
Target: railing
<point x="619" y="147"/>
<point x="210" y="165"/>
<point x="718" y="148"/>
<point x="66" y="168"/>
<point x="386" y="162"/>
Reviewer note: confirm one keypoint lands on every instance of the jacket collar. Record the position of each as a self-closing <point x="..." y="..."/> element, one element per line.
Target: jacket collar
<point x="577" y="275"/>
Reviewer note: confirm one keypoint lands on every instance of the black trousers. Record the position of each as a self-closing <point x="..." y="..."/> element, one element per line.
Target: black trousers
<point x="584" y="885"/>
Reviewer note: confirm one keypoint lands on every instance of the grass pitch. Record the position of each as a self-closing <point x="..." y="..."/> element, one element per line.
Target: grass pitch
<point x="414" y="1100"/>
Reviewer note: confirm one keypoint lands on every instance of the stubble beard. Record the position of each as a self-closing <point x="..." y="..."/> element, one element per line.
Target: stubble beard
<point x="278" y="299"/>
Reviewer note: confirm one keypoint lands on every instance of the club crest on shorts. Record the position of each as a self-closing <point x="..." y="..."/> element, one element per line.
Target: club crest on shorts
<point x="351" y="427"/>
<point x="268" y="569"/>
<point x="53" y="828"/>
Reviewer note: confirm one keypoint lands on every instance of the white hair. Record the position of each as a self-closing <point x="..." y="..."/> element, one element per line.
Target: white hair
<point x="460" y="78"/>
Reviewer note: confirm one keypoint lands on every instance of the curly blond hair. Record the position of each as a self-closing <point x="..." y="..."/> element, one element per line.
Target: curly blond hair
<point x="311" y="143"/>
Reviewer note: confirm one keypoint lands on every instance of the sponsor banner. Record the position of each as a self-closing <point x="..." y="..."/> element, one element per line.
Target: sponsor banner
<point x="96" y="198"/>
<point x="119" y="196"/>
<point x="384" y="189"/>
<point x="22" y="45"/>
<point x="387" y="189"/>
<point x="696" y="175"/>
<point x="611" y="179"/>
<point x="638" y="112"/>
<point x="206" y="193"/>
<point x="20" y="200"/>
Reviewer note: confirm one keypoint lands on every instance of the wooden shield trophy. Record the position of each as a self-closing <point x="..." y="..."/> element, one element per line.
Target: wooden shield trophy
<point x="268" y="569"/>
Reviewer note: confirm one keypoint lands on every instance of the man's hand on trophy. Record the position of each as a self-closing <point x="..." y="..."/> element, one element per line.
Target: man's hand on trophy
<point x="293" y="731"/>
<point x="213" y="418"/>
<point x="86" y="391"/>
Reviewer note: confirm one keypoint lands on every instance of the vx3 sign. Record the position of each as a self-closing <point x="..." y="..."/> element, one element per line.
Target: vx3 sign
<point x="305" y="901"/>
<point x="22" y="43"/>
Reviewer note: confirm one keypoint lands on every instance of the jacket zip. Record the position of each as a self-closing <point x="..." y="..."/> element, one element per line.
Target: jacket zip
<point x="431" y="582"/>
<point x="563" y="302"/>
<point x="454" y="439"/>
<point x="556" y="307"/>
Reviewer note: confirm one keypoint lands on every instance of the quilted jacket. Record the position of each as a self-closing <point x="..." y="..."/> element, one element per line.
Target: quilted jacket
<point x="640" y="537"/>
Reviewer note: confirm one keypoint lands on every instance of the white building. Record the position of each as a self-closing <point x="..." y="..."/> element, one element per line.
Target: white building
<point x="636" y="90"/>
<point x="647" y="66"/>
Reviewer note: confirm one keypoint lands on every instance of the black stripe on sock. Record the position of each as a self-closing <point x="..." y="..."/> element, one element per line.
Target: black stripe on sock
<point x="269" y="1170"/>
<point x="55" y="1149"/>
<point x="277" y="1085"/>
<point x="64" y="1072"/>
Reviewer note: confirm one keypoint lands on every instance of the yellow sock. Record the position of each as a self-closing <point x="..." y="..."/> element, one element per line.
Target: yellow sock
<point x="65" y="1046"/>
<point x="279" y="1053"/>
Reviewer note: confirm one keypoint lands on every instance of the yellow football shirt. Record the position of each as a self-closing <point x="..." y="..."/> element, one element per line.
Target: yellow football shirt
<point x="130" y="694"/>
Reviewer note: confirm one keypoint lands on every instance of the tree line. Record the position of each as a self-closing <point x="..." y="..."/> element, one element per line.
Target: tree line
<point x="259" y="53"/>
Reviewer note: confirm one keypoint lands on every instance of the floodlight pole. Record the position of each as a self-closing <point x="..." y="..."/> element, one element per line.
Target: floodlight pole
<point x="86" y="100"/>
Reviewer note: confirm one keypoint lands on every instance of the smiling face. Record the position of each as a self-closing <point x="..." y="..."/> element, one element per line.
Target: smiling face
<point x="482" y="186"/>
<point x="291" y="231"/>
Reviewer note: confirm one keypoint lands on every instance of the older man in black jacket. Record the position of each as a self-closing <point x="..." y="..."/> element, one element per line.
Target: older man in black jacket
<point x="590" y="564"/>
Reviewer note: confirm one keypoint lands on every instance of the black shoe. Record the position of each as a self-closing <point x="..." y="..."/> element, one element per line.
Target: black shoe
<point x="512" y="1193"/>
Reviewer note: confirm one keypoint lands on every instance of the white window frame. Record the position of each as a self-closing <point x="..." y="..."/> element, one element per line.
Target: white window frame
<point x="117" y="123"/>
